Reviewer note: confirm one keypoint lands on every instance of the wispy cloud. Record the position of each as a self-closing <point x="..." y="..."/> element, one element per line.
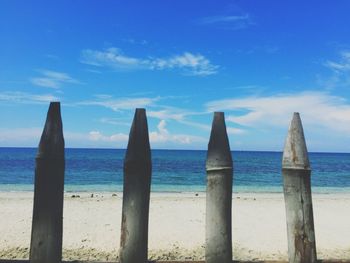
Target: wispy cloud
<point x="111" y="57"/>
<point x="162" y="135"/>
<point x="234" y="22"/>
<point x="340" y="69"/>
<point x="179" y="115"/>
<point x="166" y="114"/>
<point x="134" y="41"/>
<point x="114" y="121"/>
<point x="193" y="64"/>
<point x="27" y="98"/>
<point x="343" y="65"/>
<point x="154" y="110"/>
<point x="188" y="63"/>
<point x="207" y="127"/>
<point x="170" y="113"/>
<point x="52" y="79"/>
<point x="121" y="103"/>
<point x="319" y="110"/>
<point x="217" y="19"/>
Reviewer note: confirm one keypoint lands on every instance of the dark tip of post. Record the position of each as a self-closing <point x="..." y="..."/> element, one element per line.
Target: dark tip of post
<point x="295" y="154"/>
<point x="138" y="145"/>
<point x="219" y="153"/>
<point x="52" y="142"/>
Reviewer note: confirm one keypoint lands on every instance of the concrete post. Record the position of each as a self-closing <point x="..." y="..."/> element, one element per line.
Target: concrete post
<point x="297" y="195"/>
<point x="136" y="194"/>
<point x="219" y="168"/>
<point x="46" y="239"/>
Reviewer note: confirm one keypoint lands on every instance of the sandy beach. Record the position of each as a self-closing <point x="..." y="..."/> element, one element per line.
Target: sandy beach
<point x="177" y="223"/>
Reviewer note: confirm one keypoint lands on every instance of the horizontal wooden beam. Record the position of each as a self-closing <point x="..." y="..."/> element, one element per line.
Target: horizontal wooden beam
<point x="172" y="261"/>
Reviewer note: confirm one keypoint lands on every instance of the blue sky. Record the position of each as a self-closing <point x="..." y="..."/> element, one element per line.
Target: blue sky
<point x="258" y="61"/>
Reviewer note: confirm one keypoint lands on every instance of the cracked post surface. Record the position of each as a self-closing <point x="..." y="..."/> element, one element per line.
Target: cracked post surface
<point x="46" y="238"/>
<point x="136" y="193"/>
<point x="297" y="194"/>
<point x="219" y="168"/>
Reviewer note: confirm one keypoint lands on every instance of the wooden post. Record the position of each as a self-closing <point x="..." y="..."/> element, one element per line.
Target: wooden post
<point x="136" y="193"/>
<point x="297" y="195"/>
<point x="46" y="239"/>
<point x="219" y="168"/>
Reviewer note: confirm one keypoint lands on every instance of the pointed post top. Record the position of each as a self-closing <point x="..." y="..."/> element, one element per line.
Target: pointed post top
<point x="138" y="150"/>
<point x="295" y="155"/>
<point x="219" y="153"/>
<point x="52" y="142"/>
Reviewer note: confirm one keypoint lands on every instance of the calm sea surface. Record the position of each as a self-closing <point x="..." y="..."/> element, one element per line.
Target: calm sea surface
<point x="173" y="170"/>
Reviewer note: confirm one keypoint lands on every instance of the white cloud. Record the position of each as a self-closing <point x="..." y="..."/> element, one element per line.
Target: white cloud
<point x="162" y="135"/>
<point x="234" y="131"/>
<point x="98" y="136"/>
<point x="52" y="79"/>
<point x="233" y="22"/>
<point x="178" y="115"/>
<point x="27" y="98"/>
<point x="122" y="103"/>
<point x="111" y="57"/>
<point x="168" y="114"/>
<point x="318" y="110"/>
<point x="217" y="19"/>
<point x="191" y="63"/>
<point x="188" y="63"/>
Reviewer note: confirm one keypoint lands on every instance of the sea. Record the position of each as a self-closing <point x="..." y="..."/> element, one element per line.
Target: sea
<point x="101" y="170"/>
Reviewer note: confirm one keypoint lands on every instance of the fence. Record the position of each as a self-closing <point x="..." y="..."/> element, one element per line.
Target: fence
<point x="46" y="236"/>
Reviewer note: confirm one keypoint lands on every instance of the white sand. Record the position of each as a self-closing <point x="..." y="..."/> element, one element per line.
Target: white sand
<point x="176" y="231"/>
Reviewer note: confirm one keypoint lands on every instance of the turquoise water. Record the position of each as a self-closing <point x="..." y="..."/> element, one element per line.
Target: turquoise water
<point x="173" y="170"/>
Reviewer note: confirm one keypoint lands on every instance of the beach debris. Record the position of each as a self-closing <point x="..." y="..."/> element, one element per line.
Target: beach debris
<point x="136" y="192"/>
<point x="297" y="195"/>
<point x="219" y="168"/>
<point x="114" y="195"/>
<point x="46" y="238"/>
<point x="75" y="196"/>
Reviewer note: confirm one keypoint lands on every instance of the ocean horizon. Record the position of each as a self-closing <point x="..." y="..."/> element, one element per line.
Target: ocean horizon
<point x="101" y="170"/>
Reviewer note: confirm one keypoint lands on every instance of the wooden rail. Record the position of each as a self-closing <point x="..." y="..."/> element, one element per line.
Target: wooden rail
<point x="162" y="261"/>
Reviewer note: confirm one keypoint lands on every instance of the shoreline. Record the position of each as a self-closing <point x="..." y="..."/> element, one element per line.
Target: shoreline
<point x="9" y="188"/>
<point x="67" y="194"/>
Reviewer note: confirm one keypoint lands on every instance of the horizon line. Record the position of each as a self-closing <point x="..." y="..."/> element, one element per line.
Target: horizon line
<point x="167" y="149"/>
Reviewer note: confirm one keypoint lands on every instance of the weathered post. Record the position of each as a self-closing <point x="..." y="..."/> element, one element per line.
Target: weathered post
<point x="219" y="168"/>
<point x="46" y="239"/>
<point x="136" y="193"/>
<point x="297" y="195"/>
